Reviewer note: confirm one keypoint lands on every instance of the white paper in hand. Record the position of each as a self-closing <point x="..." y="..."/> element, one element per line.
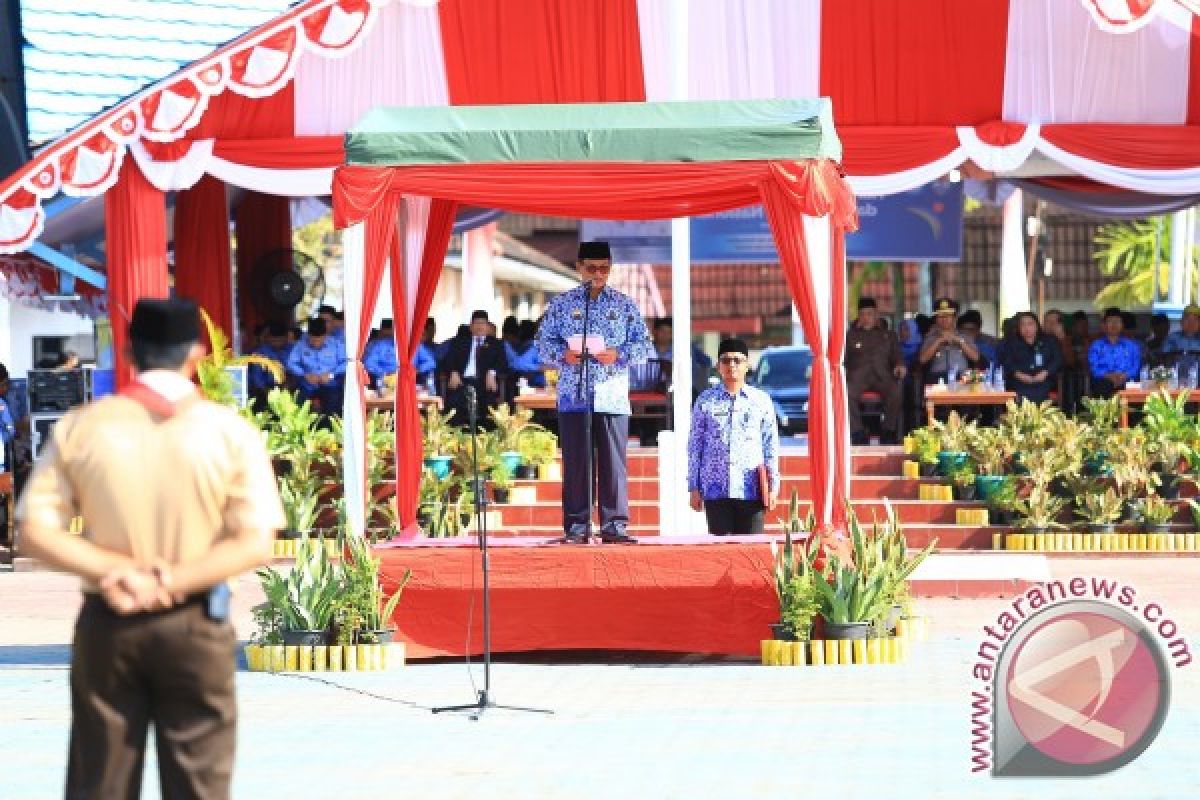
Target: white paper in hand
<point x="595" y="343"/>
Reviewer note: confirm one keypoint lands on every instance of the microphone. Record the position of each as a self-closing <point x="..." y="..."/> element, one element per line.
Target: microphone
<point x="471" y="397"/>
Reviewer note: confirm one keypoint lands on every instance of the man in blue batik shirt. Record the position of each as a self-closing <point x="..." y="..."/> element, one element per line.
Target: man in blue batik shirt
<point x="1113" y="358"/>
<point x="1182" y="347"/>
<point x="318" y="365"/>
<point x="733" y="435"/>
<point x="616" y="318"/>
<point x="276" y="347"/>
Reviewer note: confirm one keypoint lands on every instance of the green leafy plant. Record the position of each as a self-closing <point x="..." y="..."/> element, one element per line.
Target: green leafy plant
<point x="954" y="434"/>
<point x="439" y="436"/>
<point x="1039" y="509"/>
<point x="1154" y="510"/>
<point x="927" y="443"/>
<point x="300" y="502"/>
<point x="538" y="447"/>
<point x="215" y="382"/>
<point x="307" y="595"/>
<point x="848" y="596"/>
<point x="364" y="590"/>
<point x="1100" y="506"/>
<point x="267" y="625"/>
<point x="1103" y="414"/>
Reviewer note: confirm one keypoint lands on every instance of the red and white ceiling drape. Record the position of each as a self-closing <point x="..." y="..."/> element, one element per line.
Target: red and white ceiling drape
<point x="918" y="87"/>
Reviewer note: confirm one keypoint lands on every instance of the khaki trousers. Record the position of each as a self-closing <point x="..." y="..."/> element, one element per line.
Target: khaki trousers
<point x="174" y="669"/>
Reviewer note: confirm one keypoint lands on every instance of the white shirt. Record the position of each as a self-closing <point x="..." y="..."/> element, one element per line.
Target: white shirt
<point x="476" y="343"/>
<point x="171" y="385"/>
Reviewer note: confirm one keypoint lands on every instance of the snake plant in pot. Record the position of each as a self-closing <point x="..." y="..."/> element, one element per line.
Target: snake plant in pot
<point x="792" y="577"/>
<point x="307" y="595"/>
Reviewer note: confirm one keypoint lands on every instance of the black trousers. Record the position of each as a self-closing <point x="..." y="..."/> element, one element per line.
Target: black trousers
<point x="610" y="437"/>
<point x="734" y="515"/>
<point x="174" y="669"/>
<point x="456" y="401"/>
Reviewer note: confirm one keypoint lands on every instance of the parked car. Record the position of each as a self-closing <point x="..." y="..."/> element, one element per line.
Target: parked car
<point x="784" y="373"/>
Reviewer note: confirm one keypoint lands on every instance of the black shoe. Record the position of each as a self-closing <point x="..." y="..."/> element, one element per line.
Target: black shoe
<point x="616" y="536"/>
<point x="578" y="534"/>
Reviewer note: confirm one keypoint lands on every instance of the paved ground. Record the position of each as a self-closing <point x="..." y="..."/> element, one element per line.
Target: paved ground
<point x="623" y="727"/>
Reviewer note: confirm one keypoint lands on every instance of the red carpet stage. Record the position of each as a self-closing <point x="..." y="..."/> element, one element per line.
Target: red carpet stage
<point x="698" y="594"/>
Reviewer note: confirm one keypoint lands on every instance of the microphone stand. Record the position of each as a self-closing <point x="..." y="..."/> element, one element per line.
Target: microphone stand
<point x="584" y="396"/>
<point x="484" y="700"/>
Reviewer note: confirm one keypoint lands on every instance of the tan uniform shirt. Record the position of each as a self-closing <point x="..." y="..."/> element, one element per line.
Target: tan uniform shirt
<point x="154" y="487"/>
<point x="872" y="354"/>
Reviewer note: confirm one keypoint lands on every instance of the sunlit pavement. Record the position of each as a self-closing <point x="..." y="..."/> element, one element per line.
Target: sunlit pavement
<point x="624" y="726"/>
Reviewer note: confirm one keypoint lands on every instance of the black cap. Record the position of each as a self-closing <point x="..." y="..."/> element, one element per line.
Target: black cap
<point x="866" y="302"/>
<point x="971" y="317"/>
<point x="339" y="315"/>
<point x="386" y="324"/>
<point x="317" y="327"/>
<point x="945" y="305"/>
<point x="1113" y="311"/>
<point x="479" y="314"/>
<point x="594" y="250"/>
<point x="165" y="322"/>
<point x="325" y="310"/>
<point x="277" y="329"/>
<point x="733" y="346"/>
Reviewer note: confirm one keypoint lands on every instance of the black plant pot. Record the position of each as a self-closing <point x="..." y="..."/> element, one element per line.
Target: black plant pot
<point x="289" y="534"/>
<point x="847" y="630"/>
<point x="1169" y="486"/>
<point x="384" y="636"/>
<point x="1164" y="527"/>
<point x="305" y="638"/>
<point x="780" y="633"/>
<point x="929" y="470"/>
<point x="1059" y="488"/>
<point x="499" y="495"/>
<point x="527" y="472"/>
<point x="1102" y="528"/>
<point x="999" y="516"/>
<point x="965" y="493"/>
<point x="1129" y="512"/>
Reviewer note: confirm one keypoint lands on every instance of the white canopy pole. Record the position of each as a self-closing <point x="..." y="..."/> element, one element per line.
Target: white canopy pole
<point x="1014" y="287"/>
<point x="353" y="420"/>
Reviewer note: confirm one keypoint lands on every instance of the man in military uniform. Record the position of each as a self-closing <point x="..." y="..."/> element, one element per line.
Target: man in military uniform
<point x="615" y="317"/>
<point x="945" y="351"/>
<point x="177" y="495"/>
<point x="873" y="364"/>
<point x="1181" y="348"/>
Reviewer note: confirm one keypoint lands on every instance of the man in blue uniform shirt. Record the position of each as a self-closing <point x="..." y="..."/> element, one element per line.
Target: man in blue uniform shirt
<point x="275" y="346"/>
<point x="1182" y="348"/>
<point x="318" y="365"/>
<point x="379" y="360"/>
<point x="733" y="435"/>
<point x="1113" y="358"/>
<point x="614" y="317"/>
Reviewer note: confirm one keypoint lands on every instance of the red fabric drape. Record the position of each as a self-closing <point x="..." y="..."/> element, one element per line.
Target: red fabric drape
<point x="232" y="116"/>
<point x="1134" y="146"/>
<point x="842" y="468"/>
<point x="901" y="62"/>
<point x="541" y="51"/>
<point x="262" y="224"/>
<point x="135" y="227"/>
<point x="884" y="150"/>
<point x="639" y="191"/>
<point x="1193" y="106"/>
<point x="605" y="190"/>
<point x="409" y="449"/>
<point x="202" y="258"/>
<point x="301" y="152"/>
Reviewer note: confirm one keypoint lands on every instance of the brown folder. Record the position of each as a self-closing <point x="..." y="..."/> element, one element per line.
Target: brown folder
<point x="764" y="486"/>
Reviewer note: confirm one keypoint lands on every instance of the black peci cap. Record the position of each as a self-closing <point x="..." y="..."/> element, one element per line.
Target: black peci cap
<point x="165" y="322"/>
<point x="317" y="327"/>
<point x="594" y="250"/>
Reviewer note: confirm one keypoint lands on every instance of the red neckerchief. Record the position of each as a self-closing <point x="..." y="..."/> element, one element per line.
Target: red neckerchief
<point x="152" y="401"/>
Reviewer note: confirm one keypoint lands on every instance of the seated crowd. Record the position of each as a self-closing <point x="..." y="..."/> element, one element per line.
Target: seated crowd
<point x="1037" y="360"/>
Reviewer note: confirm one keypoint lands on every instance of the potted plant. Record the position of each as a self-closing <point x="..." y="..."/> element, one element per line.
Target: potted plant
<point x="926" y="446"/>
<point x="1002" y="501"/>
<point x="538" y="448"/>
<point x="954" y="436"/>
<point x="510" y="428"/>
<point x="300" y="500"/>
<point x="991" y="453"/>
<point x="963" y="480"/>
<point x="440" y="439"/>
<point x="1038" y="512"/>
<point x="501" y="481"/>
<point x="972" y="379"/>
<point x="1154" y="513"/>
<point x="372" y="609"/>
<point x="885" y="551"/>
<point x="848" y="600"/>
<point x="792" y="579"/>
<point x="307" y="595"/>
<point x="1100" y="508"/>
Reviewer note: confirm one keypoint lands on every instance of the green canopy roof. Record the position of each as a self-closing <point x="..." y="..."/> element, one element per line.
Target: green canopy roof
<point x="745" y="130"/>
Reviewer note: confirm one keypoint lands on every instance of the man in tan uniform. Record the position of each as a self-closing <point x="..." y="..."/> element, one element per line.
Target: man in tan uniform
<point x="873" y="364"/>
<point x="176" y="495"/>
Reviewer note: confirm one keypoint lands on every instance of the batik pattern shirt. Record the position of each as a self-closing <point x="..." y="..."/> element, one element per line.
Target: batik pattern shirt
<point x="732" y="434"/>
<point x="305" y="359"/>
<point x="615" y="317"/>
<point x="1124" y="356"/>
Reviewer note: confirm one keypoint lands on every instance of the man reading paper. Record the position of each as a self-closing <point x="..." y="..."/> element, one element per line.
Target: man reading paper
<point x="733" y="448"/>
<point x="615" y="324"/>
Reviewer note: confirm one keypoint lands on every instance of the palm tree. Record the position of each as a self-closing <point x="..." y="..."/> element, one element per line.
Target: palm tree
<point x="1131" y="252"/>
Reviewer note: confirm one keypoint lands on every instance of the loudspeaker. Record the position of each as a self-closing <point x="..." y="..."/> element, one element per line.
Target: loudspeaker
<point x="56" y="390"/>
<point x="41" y="425"/>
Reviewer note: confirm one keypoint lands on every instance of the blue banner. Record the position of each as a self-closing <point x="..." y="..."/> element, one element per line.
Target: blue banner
<point x="924" y="224"/>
